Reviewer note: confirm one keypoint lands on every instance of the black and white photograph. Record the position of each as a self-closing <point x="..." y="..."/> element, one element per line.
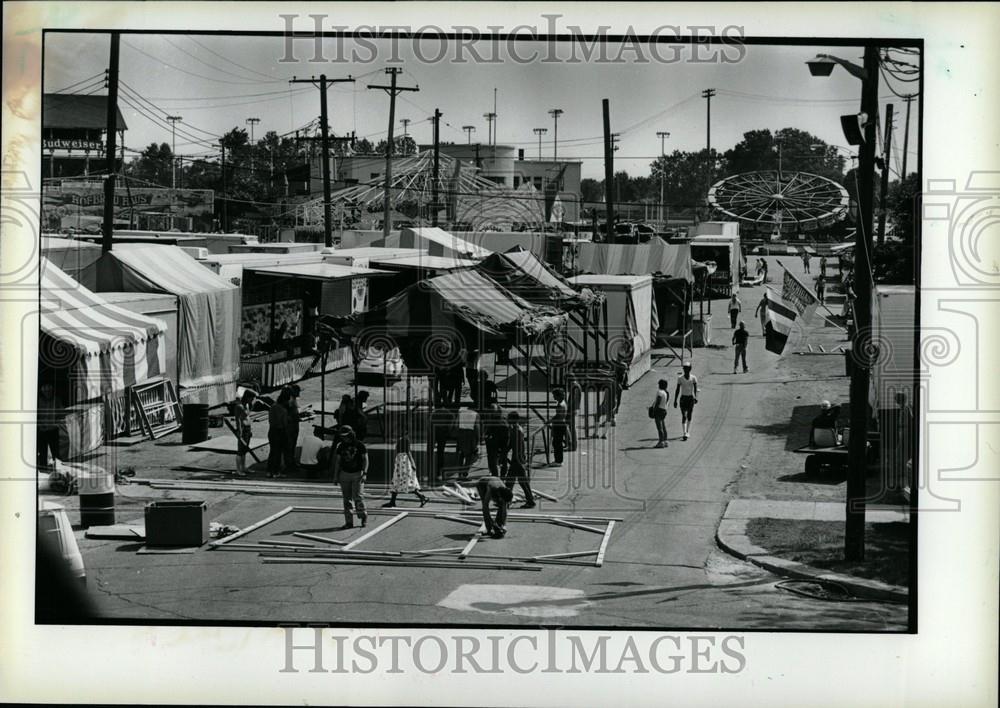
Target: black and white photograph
<point x="549" y="332"/>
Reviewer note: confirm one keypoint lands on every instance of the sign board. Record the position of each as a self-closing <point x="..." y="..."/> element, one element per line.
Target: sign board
<point x="72" y="144"/>
<point x="74" y="199"/>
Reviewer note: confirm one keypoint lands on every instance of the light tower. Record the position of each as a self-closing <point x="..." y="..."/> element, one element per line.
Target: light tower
<point x="555" y="113"/>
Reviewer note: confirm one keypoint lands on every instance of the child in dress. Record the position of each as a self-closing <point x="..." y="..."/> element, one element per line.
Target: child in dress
<point x="404" y="474"/>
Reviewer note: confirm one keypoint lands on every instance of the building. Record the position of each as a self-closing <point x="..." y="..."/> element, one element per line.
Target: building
<point x="74" y="135"/>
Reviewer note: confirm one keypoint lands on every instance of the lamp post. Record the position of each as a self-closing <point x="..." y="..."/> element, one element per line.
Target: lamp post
<point x="555" y="113"/>
<point x="539" y="132"/>
<point x="822" y="65"/>
<point x="663" y="135"/>
<point x="469" y="130"/>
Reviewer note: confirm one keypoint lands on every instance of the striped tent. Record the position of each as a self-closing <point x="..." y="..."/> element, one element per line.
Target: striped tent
<point x="105" y="348"/>
<point x="656" y="257"/>
<point x="209" y="314"/>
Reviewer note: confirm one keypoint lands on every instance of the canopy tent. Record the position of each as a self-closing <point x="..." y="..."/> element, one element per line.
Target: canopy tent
<point x="105" y="348"/>
<point x="71" y="256"/>
<point x="434" y="318"/>
<point x="657" y="257"/>
<point x="208" y="313"/>
<point x="520" y="272"/>
<point x="434" y="241"/>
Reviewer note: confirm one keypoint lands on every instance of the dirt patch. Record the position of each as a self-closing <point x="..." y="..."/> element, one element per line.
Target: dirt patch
<point x="821" y="545"/>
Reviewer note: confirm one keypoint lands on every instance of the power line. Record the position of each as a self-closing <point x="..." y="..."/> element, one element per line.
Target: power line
<point x="225" y="58"/>
<point x="87" y="81"/>
<point x="196" y="75"/>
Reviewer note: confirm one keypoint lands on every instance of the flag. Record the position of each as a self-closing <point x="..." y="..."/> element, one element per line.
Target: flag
<point x="799" y="297"/>
<point x="781" y="324"/>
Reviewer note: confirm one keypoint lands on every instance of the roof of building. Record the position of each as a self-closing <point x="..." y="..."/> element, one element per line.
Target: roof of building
<point x="74" y="112"/>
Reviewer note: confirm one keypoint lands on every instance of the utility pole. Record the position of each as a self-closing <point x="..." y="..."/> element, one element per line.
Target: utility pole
<point x="884" y="189"/>
<point x="906" y="133"/>
<point x="469" y="130"/>
<point x="663" y="135"/>
<point x="490" y="117"/>
<point x="437" y="166"/>
<point x="252" y="122"/>
<point x="223" y="222"/>
<point x="707" y="95"/>
<point x="609" y="173"/>
<point x="555" y="113"/>
<point x="173" y="120"/>
<point x="325" y="144"/>
<point x="406" y="124"/>
<point x="540" y="132"/>
<point x="112" y="129"/>
<point x="393" y="91"/>
<point x="857" y="460"/>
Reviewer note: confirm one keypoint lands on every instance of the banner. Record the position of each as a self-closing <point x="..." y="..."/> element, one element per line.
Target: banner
<point x="88" y="199"/>
<point x="72" y="144"/>
<point x="780" y="325"/>
<point x="798" y="296"/>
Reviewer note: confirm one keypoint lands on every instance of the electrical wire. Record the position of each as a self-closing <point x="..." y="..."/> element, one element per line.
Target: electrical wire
<point x="196" y="75"/>
<point x="227" y="59"/>
<point x="101" y="74"/>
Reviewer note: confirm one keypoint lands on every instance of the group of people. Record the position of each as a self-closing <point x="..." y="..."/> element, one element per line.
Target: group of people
<point x="449" y="380"/>
<point x="806" y="260"/>
<point x="761" y="269"/>
<point x="685" y="398"/>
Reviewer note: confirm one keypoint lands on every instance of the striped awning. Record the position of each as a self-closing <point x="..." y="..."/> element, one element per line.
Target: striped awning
<point x="105" y="347"/>
<point x="656" y="257"/>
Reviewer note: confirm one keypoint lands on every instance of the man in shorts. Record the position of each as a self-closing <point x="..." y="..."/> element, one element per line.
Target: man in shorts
<point x="686" y="395"/>
<point x="740" y="339"/>
<point x="492" y="489"/>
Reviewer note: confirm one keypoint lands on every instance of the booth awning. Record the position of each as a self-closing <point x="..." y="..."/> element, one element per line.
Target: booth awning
<point x="327" y="272"/>
<point x="106" y="347"/>
<point x="424" y="262"/>
<point x="520" y="272"/>
<point x="656" y="257"/>
<point x="208" y="317"/>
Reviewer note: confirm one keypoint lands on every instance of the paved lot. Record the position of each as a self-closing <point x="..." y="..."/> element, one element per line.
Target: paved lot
<point x="662" y="570"/>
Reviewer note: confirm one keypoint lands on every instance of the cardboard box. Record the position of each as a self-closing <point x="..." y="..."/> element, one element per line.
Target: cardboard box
<point x="176" y="523"/>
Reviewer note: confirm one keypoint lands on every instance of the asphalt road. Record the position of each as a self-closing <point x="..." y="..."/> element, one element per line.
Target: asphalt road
<point x="663" y="569"/>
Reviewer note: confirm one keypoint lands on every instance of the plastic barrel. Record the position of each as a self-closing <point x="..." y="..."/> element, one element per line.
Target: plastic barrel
<point x="97" y="498"/>
<point x="194" y="429"/>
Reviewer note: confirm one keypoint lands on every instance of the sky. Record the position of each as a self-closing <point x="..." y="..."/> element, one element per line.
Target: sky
<point x="217" y="82"/>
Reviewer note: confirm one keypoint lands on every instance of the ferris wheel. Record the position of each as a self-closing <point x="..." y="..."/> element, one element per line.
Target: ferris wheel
<point x="780" y="201"/>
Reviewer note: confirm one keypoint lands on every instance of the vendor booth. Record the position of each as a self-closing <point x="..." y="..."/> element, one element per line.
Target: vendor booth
<point x="208" y="314"/>
<point x="432" y="240"/>
<point x="92" y="353"/>
<point x="72" y="256"/>
<point x="629" y="319"/>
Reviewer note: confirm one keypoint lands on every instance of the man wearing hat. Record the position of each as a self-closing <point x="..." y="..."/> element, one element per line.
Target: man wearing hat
<point x="350" y="466"/>
<point x="686" y="394"/>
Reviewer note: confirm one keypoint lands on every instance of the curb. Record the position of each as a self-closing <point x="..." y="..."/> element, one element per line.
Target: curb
<point x="731" y="537"/>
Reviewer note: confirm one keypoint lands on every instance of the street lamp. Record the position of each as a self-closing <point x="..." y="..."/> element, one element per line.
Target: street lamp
<point x="663" y="135"/>
<point x="539" y="132"/>
<point x="555" y="113"/>
<point x="822" y="65"/>
<point x="469" y="130"/>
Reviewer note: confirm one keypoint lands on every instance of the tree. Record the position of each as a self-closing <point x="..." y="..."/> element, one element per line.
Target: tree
<point x="364" y="147"/>
<point x="799" y="152"/>
<point x="153" y="165"/>
<point x="685" y="180"/>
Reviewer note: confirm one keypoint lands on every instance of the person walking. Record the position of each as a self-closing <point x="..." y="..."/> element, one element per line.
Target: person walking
<point x="735" y="308"/>
<point x="686" y="394"/>
<point x="763" y="262"/>
<point x="492" y="489"/>
<point x="443" y="430"/>
<point x="345" y="411"/>
<point x="821" y="290"/>
<point x="517" y="469"/>
<point x="244" y="430"/>
<point x="472" y="375"/>
<point x="805" y="261"/>
<point x="350" y="467"/>
<point x="620" y="367"/>
<point x="50" y="410"/>
<point x="762" y="312"/>
<point x="497" y="433"/>
<point x="822" y="266"/>
<point x="277" y="433"/>
<point x="404" y="474"/>
<point x="558" y="426"/>
<point x="658" y="412"/>
<point x="740" y="338"/>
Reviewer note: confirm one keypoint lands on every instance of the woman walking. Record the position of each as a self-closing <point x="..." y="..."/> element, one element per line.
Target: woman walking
<point x="658" y="412"/>
<point x="244" y="431"/>
<point x="735" y="308"/>
<point x="404" y="474"/>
